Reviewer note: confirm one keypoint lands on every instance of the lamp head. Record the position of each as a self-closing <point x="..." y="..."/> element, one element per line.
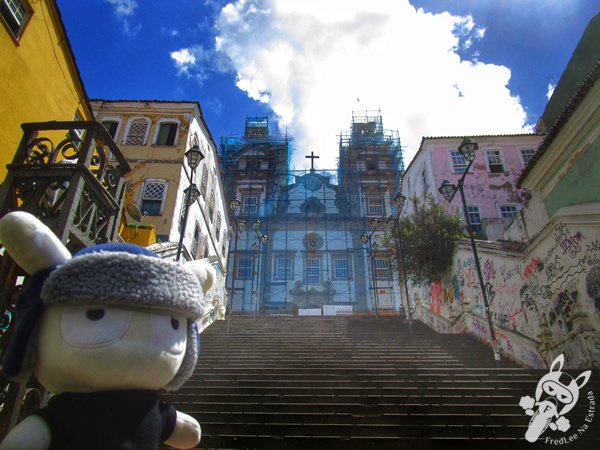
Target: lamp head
<point x="468" y="149"/>
<point x="364" y="238"/>
<point x="264" y="239"/>
<point x="241" y="225"/>
<point x="391" y="222"/>
<point x="192" y="193"/>
<point x="234" y="204"/>
<point x="255" y="247"/>
<point x="256" y="225"/>
<point x="399" y="200"/>
<point x="375" y="246"/>
<point x="194" y="156"/>
<point x="374" y="223"/>
<point x="448" y="190"/>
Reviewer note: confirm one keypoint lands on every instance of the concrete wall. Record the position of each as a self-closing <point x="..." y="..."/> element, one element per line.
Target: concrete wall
<point x="40" y="81"/>
<point x="544" y="300"/>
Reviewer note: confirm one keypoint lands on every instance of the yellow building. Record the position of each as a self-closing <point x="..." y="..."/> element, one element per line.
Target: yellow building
<point x="40" y="79"/>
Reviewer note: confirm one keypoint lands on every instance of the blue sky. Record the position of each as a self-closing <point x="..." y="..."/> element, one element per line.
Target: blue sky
<point x="433" y="67"/>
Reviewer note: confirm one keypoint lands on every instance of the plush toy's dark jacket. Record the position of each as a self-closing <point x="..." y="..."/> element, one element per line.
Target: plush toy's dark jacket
<point x="134" y="419"/>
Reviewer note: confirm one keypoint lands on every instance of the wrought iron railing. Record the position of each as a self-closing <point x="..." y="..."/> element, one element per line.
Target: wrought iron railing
<point x="71" y="176"/>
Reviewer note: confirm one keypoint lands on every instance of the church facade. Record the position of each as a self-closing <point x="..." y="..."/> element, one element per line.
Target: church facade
<point x="296" y="244"/>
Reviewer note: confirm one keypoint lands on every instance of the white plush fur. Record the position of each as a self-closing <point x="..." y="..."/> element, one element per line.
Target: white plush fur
<point x="31" y="244"/>
<point x="204" y="271"/>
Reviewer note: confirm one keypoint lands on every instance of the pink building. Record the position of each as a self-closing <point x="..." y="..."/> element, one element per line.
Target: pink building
<point x="493" y="198"/>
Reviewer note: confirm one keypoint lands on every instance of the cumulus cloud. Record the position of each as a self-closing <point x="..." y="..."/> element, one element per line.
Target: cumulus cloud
<point x="310" y="61"/>
<point x="550" y="90"/>
<point x="124" y="10"/>
<point x="191" y="62"/>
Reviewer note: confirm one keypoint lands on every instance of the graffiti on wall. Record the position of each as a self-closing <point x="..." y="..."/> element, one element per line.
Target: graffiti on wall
<point x="529" y="297"/>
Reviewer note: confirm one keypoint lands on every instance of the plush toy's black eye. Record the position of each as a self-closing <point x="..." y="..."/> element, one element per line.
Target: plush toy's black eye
<point x="94" y="314"/>
<point x="174" y="323"/>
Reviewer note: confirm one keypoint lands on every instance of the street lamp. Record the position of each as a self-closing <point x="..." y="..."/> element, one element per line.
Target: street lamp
<point x="394" y="222"/>
<point x="373" y="246"/>
<point x="240" y="227"/>
<point x="262" y="240"/>
<point x="467" y="148"/>
<point x="194" y="155"/>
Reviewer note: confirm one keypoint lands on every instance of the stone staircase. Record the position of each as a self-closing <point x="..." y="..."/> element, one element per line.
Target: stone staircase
<point x="360" y="383"/>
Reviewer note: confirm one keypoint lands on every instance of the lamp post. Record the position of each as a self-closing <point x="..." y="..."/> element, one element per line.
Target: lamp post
<point x="394" y="222"/>
<point x="262" y="240"/>
<point x="194" y="156"/>
<point x="373" y="246"/>
<point x="467" y="148"/>
<point x="240" y="227"/>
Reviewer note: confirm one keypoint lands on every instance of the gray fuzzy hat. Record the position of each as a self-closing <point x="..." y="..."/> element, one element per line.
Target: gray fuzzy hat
<point x="132" y="276"/>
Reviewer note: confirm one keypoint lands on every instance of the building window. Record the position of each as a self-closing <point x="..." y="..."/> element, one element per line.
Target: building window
<point x="361" y="166"/>
<point x="375" y="206"/>
<point x="16" y="14"/>
<point x="283" y="268"/>
<point x="111" y="126"/>
<point x="382" y="268"/>
<point x="249" y="204"/>
<point x="371" y="164"/>
<point x="313" y="271"/>
<point x="340" y="269"/>
<point x="507" y="211"/>
<point x="196" y="241"/>
<point x="527" y="154"/>
<point x="244" y="267"/>
<point x="211" y="206"/>
<point x="136" y="135"/>
<point x="167" y="133"/>
<point x="494" y="161"/>
<point x="459" y="163"/>
<point x="204" y="181"/>
<point x="424" y="180"/>
<point x="264" y="165"/>
<point x="475" y="219"/>
<point x="153" y="197"/>
<point x="218" y="227"/>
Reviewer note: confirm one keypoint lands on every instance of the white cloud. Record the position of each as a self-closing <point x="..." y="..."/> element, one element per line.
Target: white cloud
<point x="310" y="61"/>
<point x="189" y="62"/>
<point x="550" y="90"/>
<point x="123" y="7"/>
<point x="124" y="10"/>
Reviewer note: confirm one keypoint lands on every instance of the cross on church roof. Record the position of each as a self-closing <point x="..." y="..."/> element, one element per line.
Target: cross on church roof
<point x="312" y="160"/>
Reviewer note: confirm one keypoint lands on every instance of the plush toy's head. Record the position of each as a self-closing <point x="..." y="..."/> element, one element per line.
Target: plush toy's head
<point x="112" y="317"/>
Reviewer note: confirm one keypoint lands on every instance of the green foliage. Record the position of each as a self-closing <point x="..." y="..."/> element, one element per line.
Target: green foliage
<point x="429" y="238"/>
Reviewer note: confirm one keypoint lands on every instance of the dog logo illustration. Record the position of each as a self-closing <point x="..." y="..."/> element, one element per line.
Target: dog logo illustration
<point x="555" y="395"/>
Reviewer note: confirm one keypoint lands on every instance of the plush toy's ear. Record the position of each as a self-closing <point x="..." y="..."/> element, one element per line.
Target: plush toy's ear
<point x="32" y="245"/>
<point x="204" y="271"/>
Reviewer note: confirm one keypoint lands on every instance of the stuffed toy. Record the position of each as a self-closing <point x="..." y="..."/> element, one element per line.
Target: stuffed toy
<point x="104" y="331"/>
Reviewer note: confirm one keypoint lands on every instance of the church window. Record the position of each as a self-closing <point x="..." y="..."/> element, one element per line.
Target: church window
<point x="244" y="267"/>
<point x="341" y="269"/>
<point x="283" y="268"/>
<point x="249" y="204"/>
<point x="382" y="268"/>
<point x="375" y="205"/>
<point x="313" y="271"/>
